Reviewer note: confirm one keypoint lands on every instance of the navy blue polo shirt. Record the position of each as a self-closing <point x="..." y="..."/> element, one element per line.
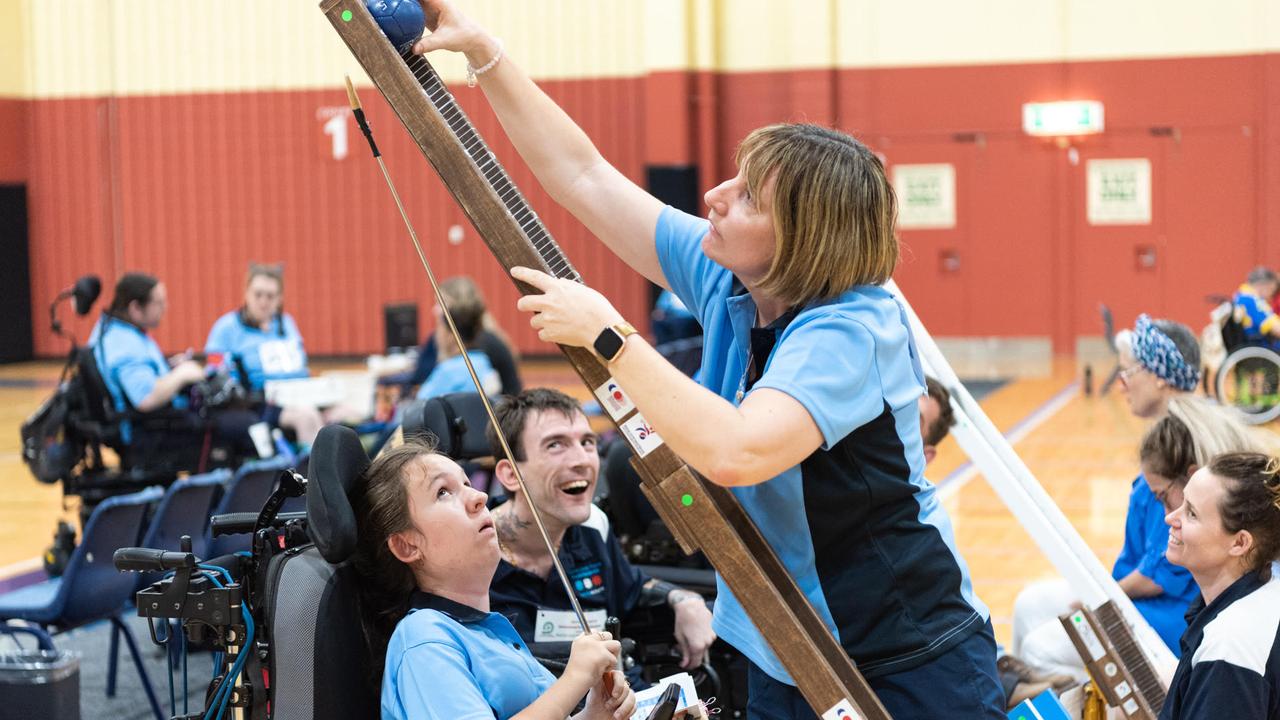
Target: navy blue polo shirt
<point x="858" y="526"/>
<point x="1230" y="666"/>
<point x="448" y="661"/>
<point x="605" y="583"/>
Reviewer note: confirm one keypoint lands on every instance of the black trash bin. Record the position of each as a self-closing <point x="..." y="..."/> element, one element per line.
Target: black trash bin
<point x="41" y="683"/>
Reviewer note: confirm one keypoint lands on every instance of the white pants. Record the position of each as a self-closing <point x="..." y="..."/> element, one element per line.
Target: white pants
<point x="1038" y="637"/>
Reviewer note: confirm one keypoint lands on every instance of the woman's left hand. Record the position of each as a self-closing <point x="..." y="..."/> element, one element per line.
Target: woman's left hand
<point x="567" y="312"/>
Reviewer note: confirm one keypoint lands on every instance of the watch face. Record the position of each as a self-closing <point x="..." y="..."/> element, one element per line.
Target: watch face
<point x="608" y="343"/>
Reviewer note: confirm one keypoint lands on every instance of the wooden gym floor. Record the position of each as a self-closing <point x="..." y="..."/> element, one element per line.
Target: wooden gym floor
<point x="1083" y="449"/>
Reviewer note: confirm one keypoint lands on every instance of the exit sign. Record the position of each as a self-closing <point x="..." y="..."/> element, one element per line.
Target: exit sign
<point x="1069" y="117"/>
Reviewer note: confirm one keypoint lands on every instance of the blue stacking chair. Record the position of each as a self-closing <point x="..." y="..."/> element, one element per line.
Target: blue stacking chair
<point x="91" y="588"/>
<point x="184" y="510"/>
<point x="247" y="491"/>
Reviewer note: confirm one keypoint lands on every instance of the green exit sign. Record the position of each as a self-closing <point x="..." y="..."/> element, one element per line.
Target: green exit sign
<point x="1068" y="117"/>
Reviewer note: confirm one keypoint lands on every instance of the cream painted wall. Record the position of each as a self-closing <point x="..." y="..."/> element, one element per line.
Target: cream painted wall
<point x="95" y="47"/>
<point x="15" y="79"/>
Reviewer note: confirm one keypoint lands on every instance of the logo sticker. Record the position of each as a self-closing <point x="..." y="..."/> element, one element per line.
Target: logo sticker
<point x="614" y="400"/>
<point x="842" y="710"/>
<point x="588" y="580"/>
<point x="642" y="435"/>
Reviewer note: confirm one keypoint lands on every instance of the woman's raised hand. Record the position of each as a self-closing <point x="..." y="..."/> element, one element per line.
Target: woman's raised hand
<point x="451" y="30"/>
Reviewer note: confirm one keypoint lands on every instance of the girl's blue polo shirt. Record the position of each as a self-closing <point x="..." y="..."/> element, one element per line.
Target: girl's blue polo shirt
<point x="274" y="354"/>
<point x="1146" y="536"/>
<point x="448" y="661"/>
<point x="856" y="524"/>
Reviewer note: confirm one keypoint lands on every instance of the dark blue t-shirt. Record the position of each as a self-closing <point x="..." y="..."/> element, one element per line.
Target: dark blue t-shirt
<point x="605" y="583"/>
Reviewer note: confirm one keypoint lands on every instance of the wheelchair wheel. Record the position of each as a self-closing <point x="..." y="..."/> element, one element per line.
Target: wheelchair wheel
<point x="1249" y="380"/>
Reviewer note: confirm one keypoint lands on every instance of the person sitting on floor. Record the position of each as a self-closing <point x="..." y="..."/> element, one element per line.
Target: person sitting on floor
<point x="1159" y="363"/>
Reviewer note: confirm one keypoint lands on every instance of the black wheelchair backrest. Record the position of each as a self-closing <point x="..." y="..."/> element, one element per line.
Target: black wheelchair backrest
<point x="337" y="460"/>
<point x="456" y="421"/>
<point x="98" y="400"/>
<point x="319" y="659"/>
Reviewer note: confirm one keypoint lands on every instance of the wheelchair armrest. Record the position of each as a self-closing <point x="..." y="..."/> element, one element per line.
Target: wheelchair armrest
<point x="161" y="420"/>
<point x="699" y="580"/>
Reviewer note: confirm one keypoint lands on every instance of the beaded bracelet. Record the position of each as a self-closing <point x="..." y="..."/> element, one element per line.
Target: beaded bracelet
<point x="472" y="72"/>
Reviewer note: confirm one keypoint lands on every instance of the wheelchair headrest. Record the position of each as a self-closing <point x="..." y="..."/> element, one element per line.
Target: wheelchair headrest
<point x="337" y="460"/>
<point x="456" y="420"/>
<point x="85" y="293"/>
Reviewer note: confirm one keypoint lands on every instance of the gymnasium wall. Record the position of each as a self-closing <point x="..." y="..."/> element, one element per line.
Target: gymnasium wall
<point x="187" y="139"/>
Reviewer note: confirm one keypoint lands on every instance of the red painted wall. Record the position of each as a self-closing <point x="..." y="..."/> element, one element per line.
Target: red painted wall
<point x="193" y="187"/>
<point x="14" y="140"/>
<point x="1029" y="262"/>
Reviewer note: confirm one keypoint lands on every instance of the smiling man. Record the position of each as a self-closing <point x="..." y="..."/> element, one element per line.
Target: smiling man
<point x="556" y="452"/>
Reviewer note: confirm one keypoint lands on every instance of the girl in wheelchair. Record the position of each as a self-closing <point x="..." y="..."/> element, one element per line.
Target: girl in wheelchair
<point x="427" y="551"/>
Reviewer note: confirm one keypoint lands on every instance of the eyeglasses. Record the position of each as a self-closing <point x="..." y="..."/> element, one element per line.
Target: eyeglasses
<point x="1126" y="373"/>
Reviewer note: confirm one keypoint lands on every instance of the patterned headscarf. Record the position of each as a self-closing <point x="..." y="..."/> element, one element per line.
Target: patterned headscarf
<point x="1156" y="352"/>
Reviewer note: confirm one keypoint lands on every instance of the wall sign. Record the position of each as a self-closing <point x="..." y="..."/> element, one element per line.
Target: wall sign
<point x="1119" y="191"/>
<point x="926" y="195"/>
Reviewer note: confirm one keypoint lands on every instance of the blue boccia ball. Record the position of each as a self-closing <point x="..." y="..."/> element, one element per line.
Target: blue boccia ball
<point x="401" y="21"/>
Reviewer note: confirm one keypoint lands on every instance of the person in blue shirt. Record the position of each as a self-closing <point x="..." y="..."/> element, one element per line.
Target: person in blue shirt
<point x="263" y="341"/>
<point x="139" y="378"/>
<point x="807" y="402"/>
<point x="450" y="374"/>
<point x="427" y="549"/>
<point x="1252" y="311"/>
<point x="1226" y="533"/>
<point x="137" y="374"/>
<point x="1159" y="369"/>
<point x="490" y="340"/>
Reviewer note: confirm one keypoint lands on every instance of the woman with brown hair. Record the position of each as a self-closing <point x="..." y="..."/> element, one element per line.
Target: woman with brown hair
<point x="427" y="551"/>
<point x="807" y="401"/>
<point x="1226" y="532"/>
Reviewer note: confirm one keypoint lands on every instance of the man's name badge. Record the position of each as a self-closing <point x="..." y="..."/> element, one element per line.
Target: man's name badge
<point x="563" y="625"/>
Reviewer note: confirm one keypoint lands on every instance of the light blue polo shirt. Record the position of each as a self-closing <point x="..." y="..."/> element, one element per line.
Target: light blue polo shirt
<point x="448" y="661"/>
<point x="856" y="524"/>
<point x="272" y="354"/>
<point x="451" y="376"/>
<point x="130" y="363"/>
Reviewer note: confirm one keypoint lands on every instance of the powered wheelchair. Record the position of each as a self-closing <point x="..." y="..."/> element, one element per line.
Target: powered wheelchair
<point x="285" y="617"/>
<point x="1238" y="372"/>
<point x="67" y="438"/>
<point x="77" y="437"/>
